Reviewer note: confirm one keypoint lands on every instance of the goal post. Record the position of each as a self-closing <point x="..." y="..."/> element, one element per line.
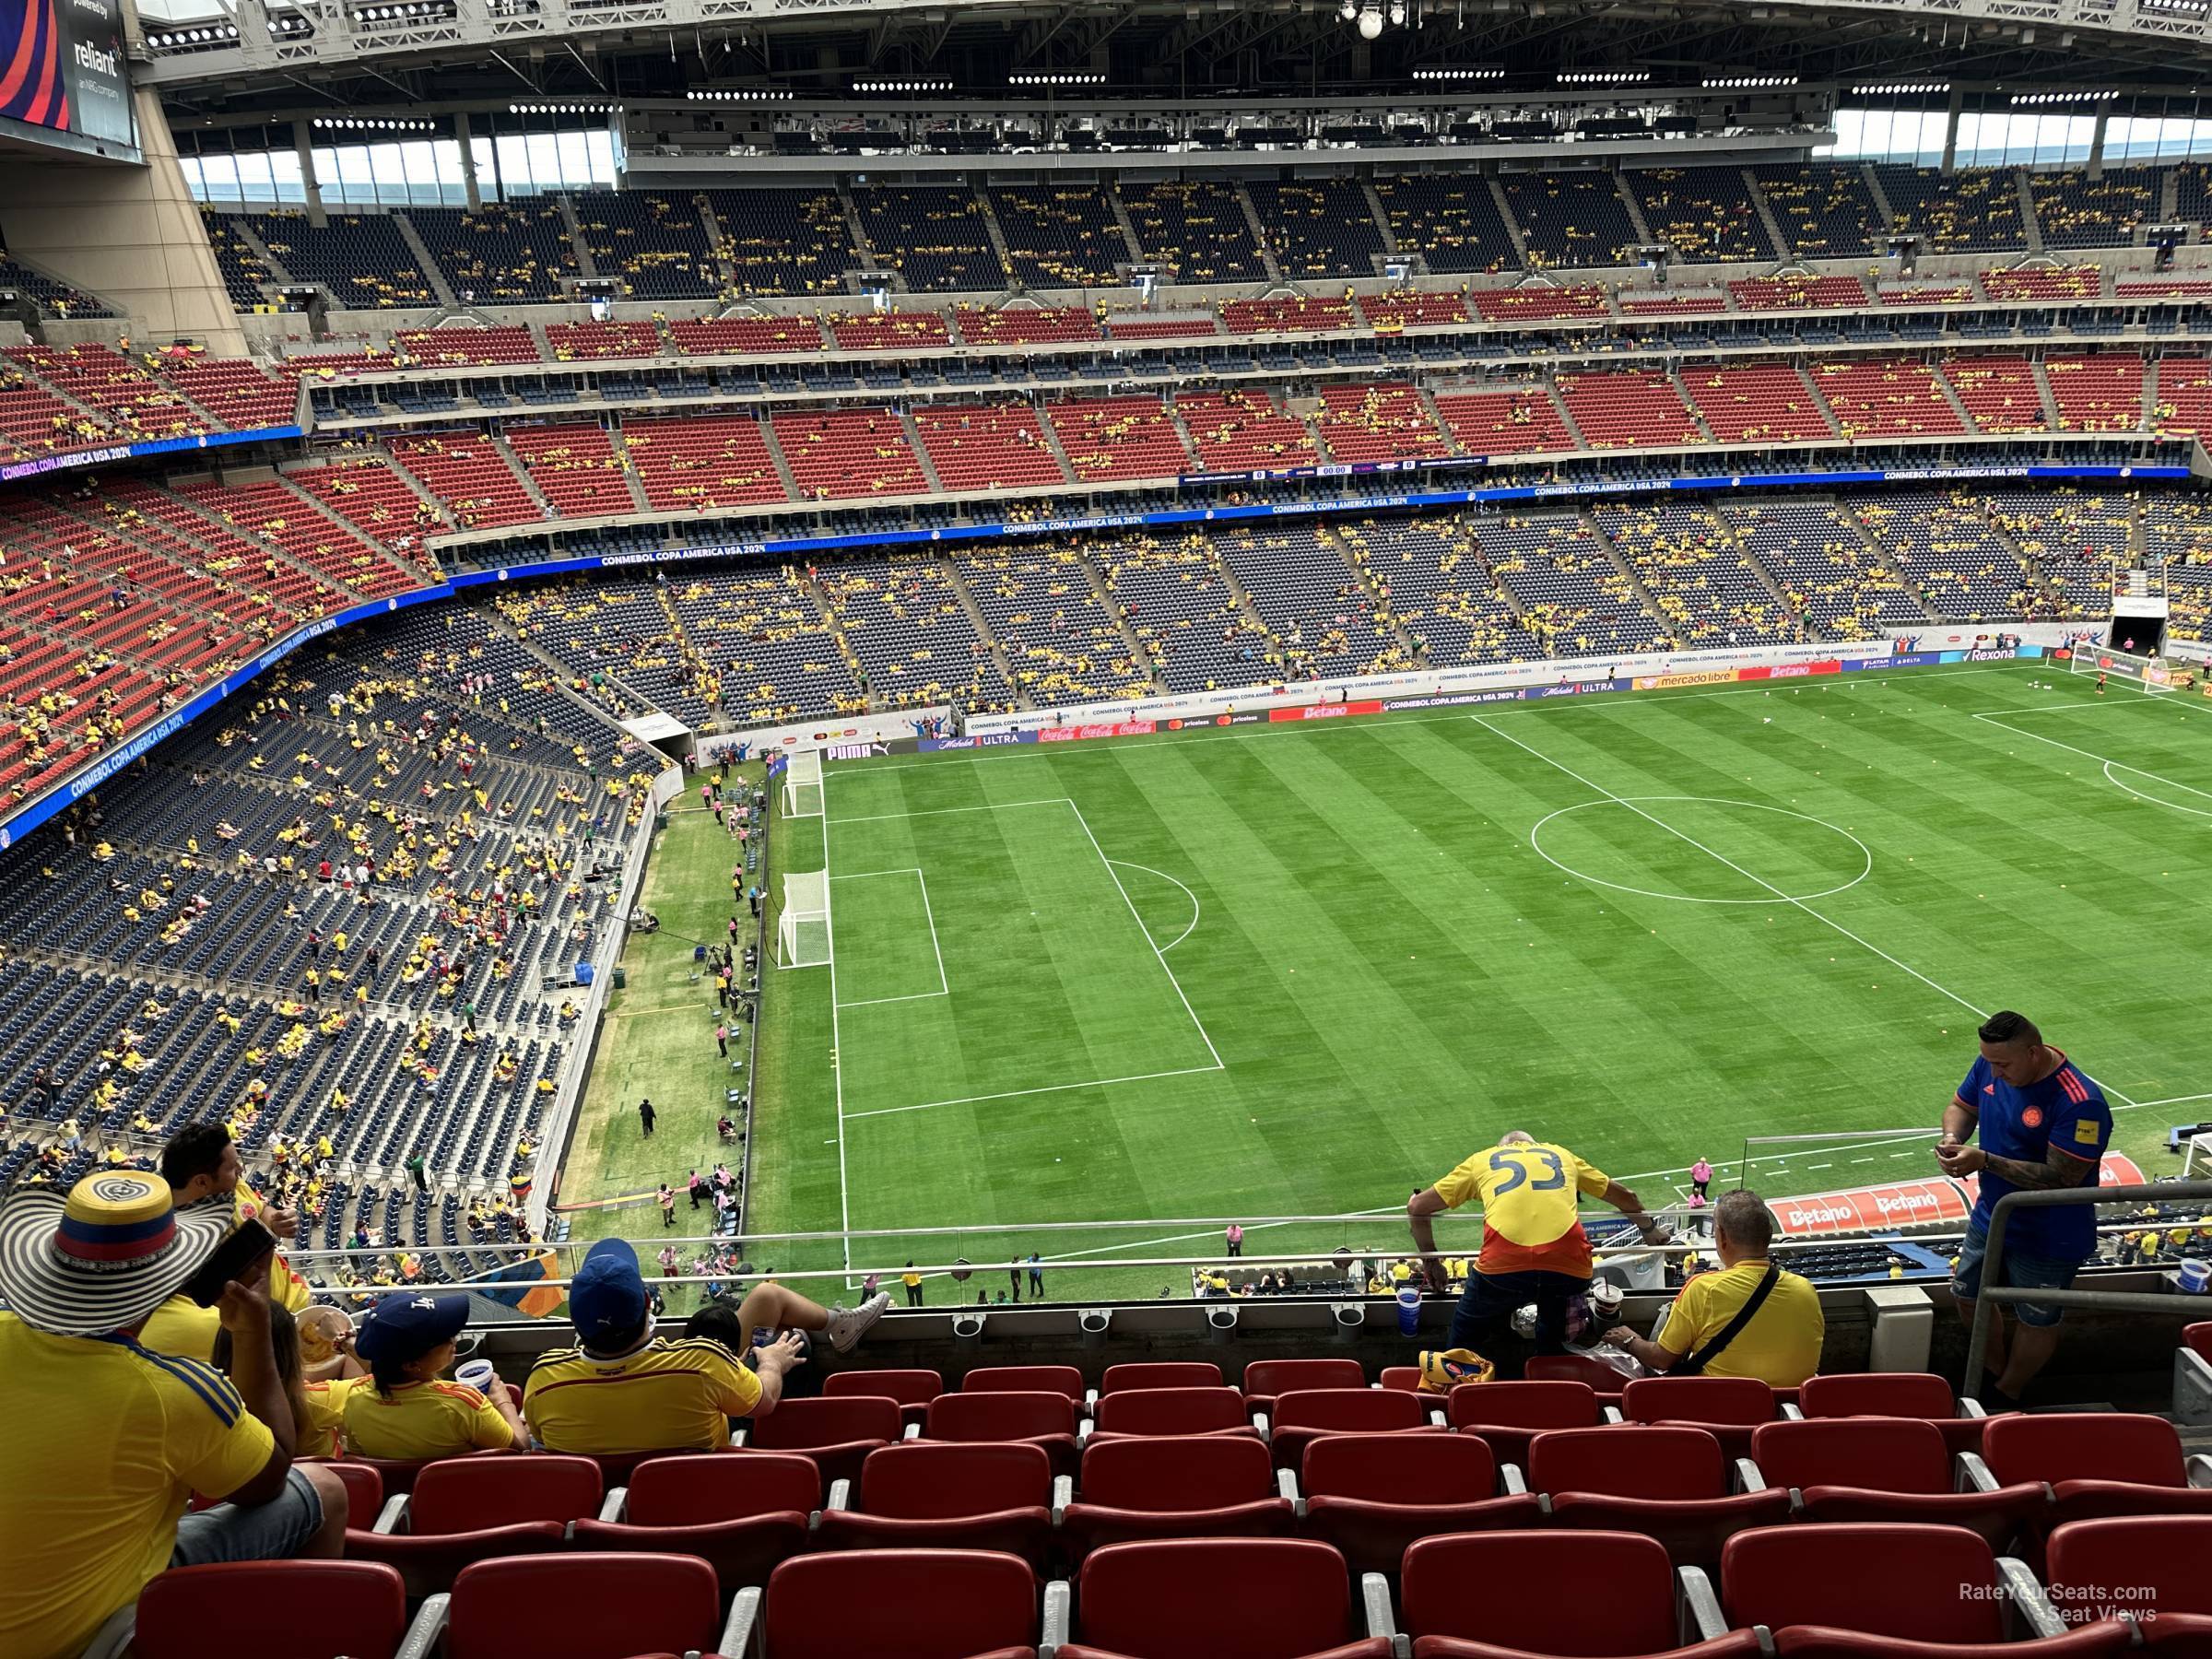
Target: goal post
<point x="803" y="784"/>
<point x="803" y="930"/>
<point x="2150" y="673"/>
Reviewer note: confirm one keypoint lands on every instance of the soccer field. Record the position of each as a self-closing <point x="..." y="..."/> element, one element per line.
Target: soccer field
<point x="1306" y="969"/>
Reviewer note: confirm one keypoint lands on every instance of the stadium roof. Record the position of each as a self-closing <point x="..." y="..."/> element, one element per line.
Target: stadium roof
<point x="361" y="51"/>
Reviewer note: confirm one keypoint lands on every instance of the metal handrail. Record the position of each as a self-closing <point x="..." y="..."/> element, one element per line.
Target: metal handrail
<point x="2119" y="1301"/>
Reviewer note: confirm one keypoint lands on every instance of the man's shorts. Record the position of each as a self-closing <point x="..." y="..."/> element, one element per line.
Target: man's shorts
<point x="2024" y="1272"/>
<point x="275" y="1531"/>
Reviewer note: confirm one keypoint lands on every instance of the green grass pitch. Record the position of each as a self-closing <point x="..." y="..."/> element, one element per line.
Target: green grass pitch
<point x="1307" y="969"/>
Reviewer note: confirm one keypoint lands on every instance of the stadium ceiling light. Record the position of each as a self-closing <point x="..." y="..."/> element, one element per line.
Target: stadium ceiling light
<point x="1732" y="83"/>
<point x="1439" y="74"/>
<point x="2096" y="95"/>
<point x="1604" y="77"/>
<point x="1370" y="24"/>
<point x="1065" y="79"/>
<point x="1900" y="89"/>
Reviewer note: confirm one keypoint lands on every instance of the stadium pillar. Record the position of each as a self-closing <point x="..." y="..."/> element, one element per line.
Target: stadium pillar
<point x="467" y="141"/>
<point x="2104" y="116"/>
<point x="1951" y="134"/>
<point x="130" y="235"/>
<point x="303" y="145"/>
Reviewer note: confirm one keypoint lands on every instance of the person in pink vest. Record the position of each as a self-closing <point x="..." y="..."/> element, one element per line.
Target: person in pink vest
<point x="1701" y="1177"/>
<point x="1236" y="1239"/>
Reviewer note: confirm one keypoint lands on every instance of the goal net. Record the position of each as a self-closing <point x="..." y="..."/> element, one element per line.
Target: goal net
<point x="803" y="784"/>
<point x="2149" y="672"/>
<point x="803" y="932"/>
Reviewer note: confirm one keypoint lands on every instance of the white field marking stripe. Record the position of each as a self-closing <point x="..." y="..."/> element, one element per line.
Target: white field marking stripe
<point x="873" y="1002"/>
<point x="1011" y="1094"/>
<point x="1779" y="894"/>
<point x="2150" y="799"/>
<point x="837" y="1057"/>
<point x="1149" y="870"/>
<point x="1315" y="729"/>
<point x="2092" y="754"/>
<point x="883" y="818"/>
<point x="1140" y="928"/>
<point x="864" y="875"/>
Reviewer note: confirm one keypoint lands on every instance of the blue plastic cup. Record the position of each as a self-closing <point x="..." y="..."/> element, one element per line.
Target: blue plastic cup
<point x="1409" y="1310"/>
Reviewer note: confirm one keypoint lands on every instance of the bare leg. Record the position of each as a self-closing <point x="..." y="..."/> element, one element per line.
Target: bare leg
<point x="2032" y="1347"/>
<point x="1994" y="1352"/>
<point x="772" y="1307"/>
<point x="329" y="1541"/>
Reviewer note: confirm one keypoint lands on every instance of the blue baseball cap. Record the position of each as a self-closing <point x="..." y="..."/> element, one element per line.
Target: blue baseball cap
<point x="406" y="1326"/>
<point x="608" y="1296"/>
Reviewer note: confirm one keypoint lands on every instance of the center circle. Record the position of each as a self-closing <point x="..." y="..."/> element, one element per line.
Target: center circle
<point x="1831" y="857"/>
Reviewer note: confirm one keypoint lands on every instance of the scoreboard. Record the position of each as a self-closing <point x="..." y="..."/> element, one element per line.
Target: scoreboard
<point x="63" y="78"/>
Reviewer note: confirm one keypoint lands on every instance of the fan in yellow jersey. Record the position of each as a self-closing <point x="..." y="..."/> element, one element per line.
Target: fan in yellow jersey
<point x="1779" y="1344"/>
<point x="624" y="1389"/>
<point x="406" y="1408"/>
<point x="1534" y="1249"/>
<point x="201" y="1165"/>
<point x="319" y="1406"/>
<point x="103" y="1442"/>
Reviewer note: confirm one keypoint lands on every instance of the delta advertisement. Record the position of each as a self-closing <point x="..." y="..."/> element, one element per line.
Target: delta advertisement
<point x="63" y="70"/>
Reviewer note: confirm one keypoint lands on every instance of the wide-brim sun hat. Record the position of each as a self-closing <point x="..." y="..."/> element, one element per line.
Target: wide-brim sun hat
<point x="104" y="1255"/>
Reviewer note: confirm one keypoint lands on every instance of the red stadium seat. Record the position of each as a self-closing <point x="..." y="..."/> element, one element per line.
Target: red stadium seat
<point x="1305" y="1413"/>
<point x="1880" y="1592"/>
<point x="935" y="1495"/>
<point x="912" y="1389"/>
<point x="299" y="1609"/>
<point x="1873" y="1468"/>
<point x="1214" y="1485"/>
<point x="1265" y="1379"/>
<point x="2151" y="1568"/>
<point x="396" y="1475"/>
<point x="916" y="1604"/>
<point x="1728" y="1407"/>
<point x="1218" y="1598"/>
<point x="1895" y="1394"/>
<point x="1047" y="1420"/>
<point x="742" y="1514"/>
<point x="1602" y="1380"/>
<point x="1173" y="1411"/>
<point x="837" y="1434"/>
<point x="1670" y="1482"/>
<point x="2198" y="1338"/>
<point x="1580" y="1594"/>
<point x="1371" y="1495"/>
<point x="1161" y="1373"/>
<point x="2099" y="1463"/>
<point x="1025" y="1379"/>
<point x="580" y="1607"/>
<point x="1508" y="1413"/>
<point x="1405" y="1377"/>
<point x="465" y="1510"/>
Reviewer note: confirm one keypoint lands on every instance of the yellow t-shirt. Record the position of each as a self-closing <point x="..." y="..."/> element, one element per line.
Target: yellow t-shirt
<point x="1781" y="1344"/>
<point x="666" y="1394"/>
<point x="181" y="1326"/>
<point x="318" y="1437"/>
<point x="422" y="1420"/>
<point x="1529" y="1195"/>
<point x="102" y="1447"/>
<point x="910" y="1279"/>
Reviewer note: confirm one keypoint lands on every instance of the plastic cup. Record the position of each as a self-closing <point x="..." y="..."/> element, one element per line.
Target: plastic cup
<point x="475" y="1374"/>
<point x="2195" y="1274"/>
<point x="1409" y="1310"/>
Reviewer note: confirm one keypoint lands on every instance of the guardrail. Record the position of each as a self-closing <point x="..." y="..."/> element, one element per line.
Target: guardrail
<point x="1996" y="1295"/>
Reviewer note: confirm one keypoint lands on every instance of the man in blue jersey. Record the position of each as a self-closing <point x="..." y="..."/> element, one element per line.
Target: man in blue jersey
<point x="2041" y="1123"/>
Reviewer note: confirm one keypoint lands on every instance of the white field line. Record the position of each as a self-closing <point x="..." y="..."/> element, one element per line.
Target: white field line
<point x="1149" y="870"/>
<point x="1012" y="1094"/>
<point x="1140" y="919"/>
<point x="944" y="985"/>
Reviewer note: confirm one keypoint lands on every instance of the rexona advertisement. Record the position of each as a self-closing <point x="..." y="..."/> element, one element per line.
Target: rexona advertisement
<point x="61" y="68"/>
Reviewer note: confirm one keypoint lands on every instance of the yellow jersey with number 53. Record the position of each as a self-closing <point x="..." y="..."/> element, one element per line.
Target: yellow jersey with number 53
<point x="1529" y="1195"/>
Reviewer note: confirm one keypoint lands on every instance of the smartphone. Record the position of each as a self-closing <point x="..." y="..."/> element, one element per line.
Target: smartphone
<point x="234" y="1258"/>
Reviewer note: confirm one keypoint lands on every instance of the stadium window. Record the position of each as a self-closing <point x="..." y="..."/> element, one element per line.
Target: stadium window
<point x="194" y="181"/>
<point x="253" y="180"/>
<point x="220" y="175"/>
<point x="283" y="172"/>
<point x="357" y="179"/>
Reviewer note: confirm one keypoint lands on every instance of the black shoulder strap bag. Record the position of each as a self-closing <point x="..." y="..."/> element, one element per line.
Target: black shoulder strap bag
<point x="1693" y="1365"/>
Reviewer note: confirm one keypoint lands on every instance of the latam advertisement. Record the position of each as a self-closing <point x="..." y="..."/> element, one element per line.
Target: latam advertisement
<point x="61" y="68"/>
<point x="1886" y="1207"/>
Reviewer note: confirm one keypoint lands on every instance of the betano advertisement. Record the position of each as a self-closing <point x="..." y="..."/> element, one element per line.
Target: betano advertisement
<point x="1893" y="1205"/>
<point x="62" y="70"/>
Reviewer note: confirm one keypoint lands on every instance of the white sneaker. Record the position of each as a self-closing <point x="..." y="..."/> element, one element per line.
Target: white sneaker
<point x="848" y="1325"/>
